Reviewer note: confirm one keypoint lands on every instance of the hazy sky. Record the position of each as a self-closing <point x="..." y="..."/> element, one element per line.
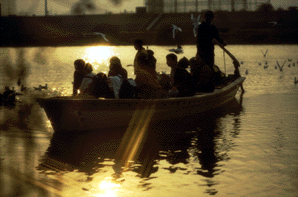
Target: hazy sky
<point x="115" y="6"/>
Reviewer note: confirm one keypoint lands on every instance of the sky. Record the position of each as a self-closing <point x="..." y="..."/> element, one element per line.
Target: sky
<point x="58" y="7"/>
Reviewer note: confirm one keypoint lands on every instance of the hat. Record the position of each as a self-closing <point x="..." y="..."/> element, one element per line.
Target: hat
<point x="183" y="62"/>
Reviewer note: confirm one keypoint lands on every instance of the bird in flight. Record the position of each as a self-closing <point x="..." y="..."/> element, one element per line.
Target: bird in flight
<point x="97" y="34"/>
<point x="196" y="23"/>
<point x="175" y="29"/>
<point x="275" y="23"/>
<point x="264" y="53"/>
<point x="280" y="67"/>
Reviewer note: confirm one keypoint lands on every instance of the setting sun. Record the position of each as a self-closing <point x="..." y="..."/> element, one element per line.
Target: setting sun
<point x="98" y="55"/>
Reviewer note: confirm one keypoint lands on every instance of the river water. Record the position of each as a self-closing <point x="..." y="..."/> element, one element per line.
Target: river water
<point x="246" y="148"/>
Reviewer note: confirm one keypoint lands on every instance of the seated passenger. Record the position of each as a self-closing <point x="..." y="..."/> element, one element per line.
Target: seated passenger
<point x="152" y="59"/>
<point x="165" y="81"/>
<point x="203" y="75"/>
<point x="146" y="79"/>
<point x="78" y="75"/>
<point x="116" y="75"/>
<point x="182" y="81"/>
<point x="102" y="88"/>
<point x="87" y="86"/>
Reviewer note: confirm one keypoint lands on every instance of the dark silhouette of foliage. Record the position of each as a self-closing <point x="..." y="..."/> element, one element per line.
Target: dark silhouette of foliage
<point x="266" y="7"/>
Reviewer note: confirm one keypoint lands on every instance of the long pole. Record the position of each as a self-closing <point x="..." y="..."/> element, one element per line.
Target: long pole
<point x="46" y="7"/>
<point x="224" y="56"/>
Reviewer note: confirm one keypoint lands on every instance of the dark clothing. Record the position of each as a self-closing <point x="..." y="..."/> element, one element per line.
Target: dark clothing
<point x="147" y="84"/>
<point x="206" y="33"/>
<point x="184" y="82"/>
<point x="78" y="78"/>
<point x="204" y="78"/>
<point x="122" y="72"/>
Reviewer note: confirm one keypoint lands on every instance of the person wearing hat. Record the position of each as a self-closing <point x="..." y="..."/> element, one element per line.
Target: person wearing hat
<point x="181" y="79"/>
<point x="206" y="33"/>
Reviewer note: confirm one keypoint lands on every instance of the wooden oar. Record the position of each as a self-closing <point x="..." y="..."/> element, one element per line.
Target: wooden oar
<point x="235" y="61"/>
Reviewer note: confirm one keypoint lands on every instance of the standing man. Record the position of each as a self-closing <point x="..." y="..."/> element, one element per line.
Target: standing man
<point x="138" y="44"/>
<point x="206" y="33"/>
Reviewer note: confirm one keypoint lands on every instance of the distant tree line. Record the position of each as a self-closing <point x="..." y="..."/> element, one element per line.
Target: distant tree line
<point x="267" y="7"/>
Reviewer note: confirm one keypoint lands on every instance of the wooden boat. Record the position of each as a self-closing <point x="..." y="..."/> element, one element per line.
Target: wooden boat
<point x="72" y="114"/>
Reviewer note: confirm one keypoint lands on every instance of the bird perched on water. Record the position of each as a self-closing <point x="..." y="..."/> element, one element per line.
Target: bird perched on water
<point x="178" y="50"/>
<point x="44" y="87"/>
<point x="175" y="29"/>
<point x="38" y="88"/>
<point x="196" y="23"/>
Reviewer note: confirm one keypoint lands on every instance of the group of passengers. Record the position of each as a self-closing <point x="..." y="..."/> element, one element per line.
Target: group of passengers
<point x="148" y="84"/>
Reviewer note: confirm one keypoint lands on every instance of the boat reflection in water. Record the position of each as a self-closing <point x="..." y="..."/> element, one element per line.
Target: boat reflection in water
<point x="111" y="160"/>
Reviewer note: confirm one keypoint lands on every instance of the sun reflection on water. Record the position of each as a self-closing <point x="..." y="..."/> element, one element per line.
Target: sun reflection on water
<point x="109" y="189"/>
<point x="99" y="55"/>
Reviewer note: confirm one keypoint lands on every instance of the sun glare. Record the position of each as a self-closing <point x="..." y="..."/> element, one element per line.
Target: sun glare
<point x="98" y="55"/>
<point x="109" y="188"/>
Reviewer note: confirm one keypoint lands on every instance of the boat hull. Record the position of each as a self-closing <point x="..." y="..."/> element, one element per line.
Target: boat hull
<point x="71" y="114"/>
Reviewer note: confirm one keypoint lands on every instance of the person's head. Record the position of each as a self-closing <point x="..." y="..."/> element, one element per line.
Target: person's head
<point x="115" y="66"/>
<point x="199" y="60"/>
<point x="79" y="64"/>
<point x="150" y="53"/>
<point x="171" y="60"/>
<point x="151" y="58"/>
<point x="138" y="44"/>
<point x="209" y="16"/>
<point x="88" y="68"/>
<point x="183" y="62"/>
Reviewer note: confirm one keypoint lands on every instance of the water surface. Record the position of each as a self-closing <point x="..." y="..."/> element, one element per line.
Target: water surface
<point x="247" y="148"/>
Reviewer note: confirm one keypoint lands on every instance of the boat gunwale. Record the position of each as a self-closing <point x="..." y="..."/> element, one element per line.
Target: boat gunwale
<point x="215" y="93"/>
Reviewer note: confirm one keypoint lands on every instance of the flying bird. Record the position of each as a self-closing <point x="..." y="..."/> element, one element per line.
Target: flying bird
<point x="280" y="67"/>
<point x="264" y="53"/>
<point x="196" y="23"/>
<point x="175" y="29"/>
<point x="96" y="34"/>
<point x="276" y="23"/>
<point x="102" y="35"/>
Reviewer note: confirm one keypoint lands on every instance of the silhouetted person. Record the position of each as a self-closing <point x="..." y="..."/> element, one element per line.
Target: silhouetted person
<point x="138" y="44"/>
<point x="152" y="59"/>
<point x="206" y="33"/>
<point x="78" y="75"/>
<point x="116" y="75"/>
<point x="87" y="86"/>
<point x="181" y="79"/>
